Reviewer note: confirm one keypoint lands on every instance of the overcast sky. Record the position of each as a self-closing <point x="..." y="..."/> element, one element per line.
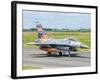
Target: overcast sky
<point x="56" y="19"/>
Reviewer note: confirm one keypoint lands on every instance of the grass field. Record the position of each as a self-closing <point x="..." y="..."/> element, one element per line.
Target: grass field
<point x="30" y="67"/>
<point x="84" y="37"/>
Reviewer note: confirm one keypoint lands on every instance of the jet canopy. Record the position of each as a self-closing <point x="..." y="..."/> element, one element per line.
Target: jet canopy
<point x="73" y="39"/>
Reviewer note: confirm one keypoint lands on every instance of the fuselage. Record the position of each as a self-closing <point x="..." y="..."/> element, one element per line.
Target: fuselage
<point x="56" y="45"/>
<point x="60" y="42"/>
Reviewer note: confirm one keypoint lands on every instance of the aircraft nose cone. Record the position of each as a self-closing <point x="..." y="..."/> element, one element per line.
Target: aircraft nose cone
<point x="83" y="46"/>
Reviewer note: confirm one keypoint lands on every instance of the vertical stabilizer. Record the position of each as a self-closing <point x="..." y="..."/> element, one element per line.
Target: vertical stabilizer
<point x="41" y="33"/>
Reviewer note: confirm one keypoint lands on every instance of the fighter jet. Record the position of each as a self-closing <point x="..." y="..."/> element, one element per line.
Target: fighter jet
<point x="61" y="46"/>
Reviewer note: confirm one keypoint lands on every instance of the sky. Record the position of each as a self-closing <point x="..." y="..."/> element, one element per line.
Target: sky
<point x="59" y="20"/>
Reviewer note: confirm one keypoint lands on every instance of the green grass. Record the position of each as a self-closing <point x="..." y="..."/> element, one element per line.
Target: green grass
<point x="30" y="67"/>
<point x="84" y="37"/>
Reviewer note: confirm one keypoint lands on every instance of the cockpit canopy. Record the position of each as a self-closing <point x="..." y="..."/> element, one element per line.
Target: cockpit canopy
<point x="73" y="39"/>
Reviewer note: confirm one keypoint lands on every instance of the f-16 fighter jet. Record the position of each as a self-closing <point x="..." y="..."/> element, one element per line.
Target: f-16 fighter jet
<point x="51" y="45"/>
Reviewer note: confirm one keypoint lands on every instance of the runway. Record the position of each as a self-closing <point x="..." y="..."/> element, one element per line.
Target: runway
<point x="38" y="58"/>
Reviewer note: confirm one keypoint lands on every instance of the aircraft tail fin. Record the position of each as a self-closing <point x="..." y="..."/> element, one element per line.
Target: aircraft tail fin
<point x="41" y="33"/>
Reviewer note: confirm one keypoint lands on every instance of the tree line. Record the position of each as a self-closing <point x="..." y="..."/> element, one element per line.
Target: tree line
<point x="60" y="30"/>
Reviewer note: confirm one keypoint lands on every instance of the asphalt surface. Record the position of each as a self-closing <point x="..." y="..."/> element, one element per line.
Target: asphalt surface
<point x="38" y="58"/>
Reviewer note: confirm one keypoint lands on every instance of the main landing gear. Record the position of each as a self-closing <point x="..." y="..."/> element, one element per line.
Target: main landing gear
<point x="48" y="53"/>
<point x="65" y="52"/>
<point x="61" y="52"/>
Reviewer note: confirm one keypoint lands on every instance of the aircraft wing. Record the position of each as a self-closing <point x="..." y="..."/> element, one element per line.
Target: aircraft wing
<point x="48" y="43"/>
<point x="64" y="44"/>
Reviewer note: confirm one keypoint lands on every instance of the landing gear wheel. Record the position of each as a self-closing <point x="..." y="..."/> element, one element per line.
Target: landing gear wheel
<point x="60" y="53"/>
<point x="48" y="54"/>
<point x="69" y="53"/>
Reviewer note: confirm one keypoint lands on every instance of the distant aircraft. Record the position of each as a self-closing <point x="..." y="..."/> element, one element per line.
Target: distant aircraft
<point x="50" y="45"/>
